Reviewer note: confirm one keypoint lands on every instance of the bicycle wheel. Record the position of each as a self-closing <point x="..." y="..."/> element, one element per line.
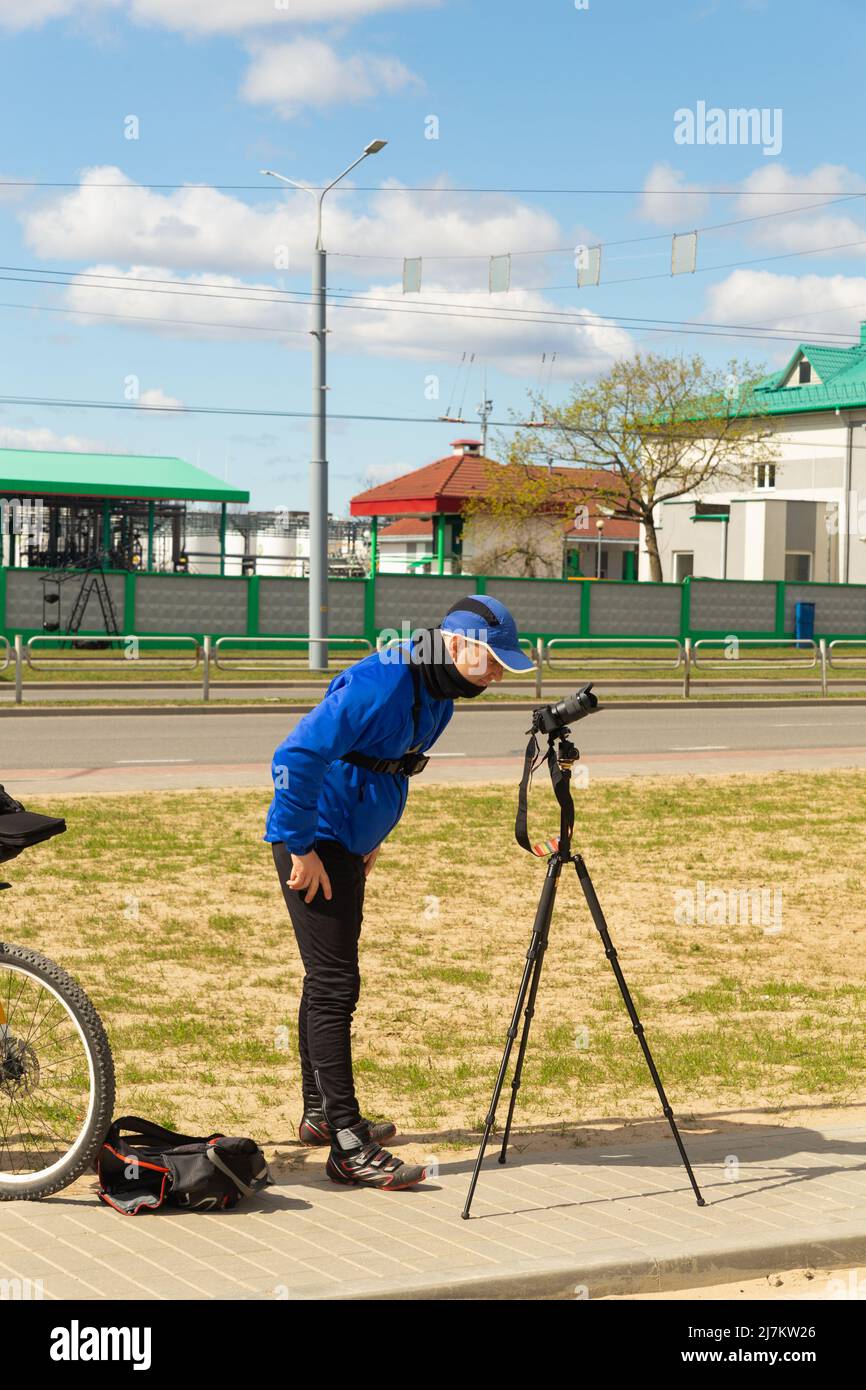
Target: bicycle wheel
<point x="56" y="1077"/>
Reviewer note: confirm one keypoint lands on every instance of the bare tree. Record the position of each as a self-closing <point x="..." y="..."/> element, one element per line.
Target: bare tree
<point x="657" y="427"/>
<point x="520" y="505"/>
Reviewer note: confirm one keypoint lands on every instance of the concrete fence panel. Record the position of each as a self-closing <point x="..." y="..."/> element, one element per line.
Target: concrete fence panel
<point x="186" y="603"/>
<point x="733" y="605"/>
<point x="634" y="609"/>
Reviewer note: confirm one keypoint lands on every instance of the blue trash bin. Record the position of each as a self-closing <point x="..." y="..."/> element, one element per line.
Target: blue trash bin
<point x="804" y="622"/>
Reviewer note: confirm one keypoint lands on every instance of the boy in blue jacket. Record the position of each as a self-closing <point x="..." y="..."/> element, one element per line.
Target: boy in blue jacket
<point x="340" y="787"/>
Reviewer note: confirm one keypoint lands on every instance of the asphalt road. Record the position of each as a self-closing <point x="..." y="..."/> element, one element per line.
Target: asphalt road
<point x="120" y="752"/>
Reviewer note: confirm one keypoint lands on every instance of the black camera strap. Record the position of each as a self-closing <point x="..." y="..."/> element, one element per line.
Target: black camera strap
<point x="533" y="759"/>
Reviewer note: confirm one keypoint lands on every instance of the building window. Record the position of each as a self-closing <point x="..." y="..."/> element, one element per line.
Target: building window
<point x="805" y="372"/>
<point x="684" y="565"/>
<point x="765" y="475"/>
<point x="798" y="566"/>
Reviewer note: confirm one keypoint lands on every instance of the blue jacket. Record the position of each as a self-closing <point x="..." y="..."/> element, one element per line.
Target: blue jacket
<point x="366" y="709"/>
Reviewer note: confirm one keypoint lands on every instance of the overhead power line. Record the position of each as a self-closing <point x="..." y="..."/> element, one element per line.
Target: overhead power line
<point x="396" y="304"/>
<point x="433" y="188"/>
<point x="628" y="241"/>
<point x="59" y="403"/>
<point x="565" y="319"/>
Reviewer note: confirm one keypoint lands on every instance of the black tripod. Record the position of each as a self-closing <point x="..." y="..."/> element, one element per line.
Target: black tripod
<point x="560" y="760"/>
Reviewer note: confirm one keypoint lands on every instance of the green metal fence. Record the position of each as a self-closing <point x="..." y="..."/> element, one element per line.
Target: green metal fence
<point x="262" y="606"/>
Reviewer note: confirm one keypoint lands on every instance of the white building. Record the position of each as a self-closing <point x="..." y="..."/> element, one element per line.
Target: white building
<point x="804" y="517"/>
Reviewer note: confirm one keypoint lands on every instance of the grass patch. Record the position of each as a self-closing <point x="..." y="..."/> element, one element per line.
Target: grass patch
<point x="166" y="907"/>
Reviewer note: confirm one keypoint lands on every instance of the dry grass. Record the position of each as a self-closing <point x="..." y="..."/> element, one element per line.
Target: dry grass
<point x="167" y="908"/>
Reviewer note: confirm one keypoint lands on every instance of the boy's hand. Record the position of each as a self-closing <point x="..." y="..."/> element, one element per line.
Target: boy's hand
<point x="370" y="859"/>
<point x="308" y="871"/>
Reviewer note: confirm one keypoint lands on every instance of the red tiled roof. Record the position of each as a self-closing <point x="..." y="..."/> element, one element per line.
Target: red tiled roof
<point x="443" y="487"/>
<point x="408" y="526"/>
<point x="437" y="487"/>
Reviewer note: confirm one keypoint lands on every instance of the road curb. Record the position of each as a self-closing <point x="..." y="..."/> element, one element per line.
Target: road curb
<point x="44" y="711"/>
<point x="601" y="1276"/>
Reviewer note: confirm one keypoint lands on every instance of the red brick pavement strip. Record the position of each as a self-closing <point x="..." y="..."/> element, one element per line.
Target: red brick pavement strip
<point x="447" y="768"/>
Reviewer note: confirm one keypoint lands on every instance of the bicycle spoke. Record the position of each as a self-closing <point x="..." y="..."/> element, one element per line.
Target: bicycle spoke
<point x="46" y="1075"/>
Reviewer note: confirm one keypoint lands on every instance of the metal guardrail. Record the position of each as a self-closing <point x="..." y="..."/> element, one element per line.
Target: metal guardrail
<point x="220" y="648"/>
<point x="817" y="649"/>
<point x="759" y="642"/>
<point x="212" y="653"/>
<point x="608" y="642"/>
<point x="846" y="660"/>
<point x="551" y="655"/>
<point x="686" y="654"/>
<point x="132" y="644"/>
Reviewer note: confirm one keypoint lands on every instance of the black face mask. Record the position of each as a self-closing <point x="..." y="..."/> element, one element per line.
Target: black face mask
<point x="438" y="671"/>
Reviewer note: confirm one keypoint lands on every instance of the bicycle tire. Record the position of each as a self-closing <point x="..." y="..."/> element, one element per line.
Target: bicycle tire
<point x="83" y="1154"/>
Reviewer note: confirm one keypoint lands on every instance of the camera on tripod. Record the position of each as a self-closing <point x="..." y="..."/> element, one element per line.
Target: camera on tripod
<point x="561" y="754"/>
<point x="549" y="718"/>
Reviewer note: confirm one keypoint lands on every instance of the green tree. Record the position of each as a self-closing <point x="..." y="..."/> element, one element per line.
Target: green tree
<point x="652" y="427"/>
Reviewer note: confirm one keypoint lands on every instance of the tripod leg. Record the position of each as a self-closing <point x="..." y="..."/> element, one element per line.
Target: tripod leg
<point x="610" y="952"/>
<point x="534" y="954"/>
<point x="528" y="1016"/>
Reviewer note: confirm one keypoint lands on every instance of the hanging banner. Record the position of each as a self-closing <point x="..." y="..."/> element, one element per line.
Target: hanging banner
<point x="684" y="253"/>
<point x="588" y="262"/>
<point x="500" y="274"/>
<point x="412" y="275"/>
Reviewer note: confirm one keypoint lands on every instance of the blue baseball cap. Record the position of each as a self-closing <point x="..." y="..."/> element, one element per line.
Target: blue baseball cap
<point x="483" y="619"/>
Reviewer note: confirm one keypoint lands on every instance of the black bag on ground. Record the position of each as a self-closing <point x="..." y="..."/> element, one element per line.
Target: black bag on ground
<point x="19" y="828"/>
<point x="160" y="1167"/>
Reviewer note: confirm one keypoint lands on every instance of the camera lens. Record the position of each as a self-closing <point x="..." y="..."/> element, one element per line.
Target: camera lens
<point x="549" y="718"/>
<point x="577" y="706"/>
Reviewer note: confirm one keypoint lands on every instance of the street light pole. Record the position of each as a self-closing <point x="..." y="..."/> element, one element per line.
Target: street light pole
<point x="318" y="566"/>
<point x="600" y="528"/>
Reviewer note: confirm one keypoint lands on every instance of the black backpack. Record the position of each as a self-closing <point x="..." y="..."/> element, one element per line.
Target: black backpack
<point x="163" y="1167"/>
<point x="19" y="828"/>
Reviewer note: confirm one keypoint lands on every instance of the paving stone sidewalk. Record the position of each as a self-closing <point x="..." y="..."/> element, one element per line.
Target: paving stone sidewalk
<point x="575" y="1223"/>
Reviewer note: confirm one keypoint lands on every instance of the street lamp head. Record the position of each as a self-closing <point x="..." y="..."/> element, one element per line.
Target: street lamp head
<point x="375" y="146"/>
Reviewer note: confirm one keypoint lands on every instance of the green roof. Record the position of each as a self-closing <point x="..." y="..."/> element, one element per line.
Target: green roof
<point x="44" y="473"/>
<point x="842" y="386"/>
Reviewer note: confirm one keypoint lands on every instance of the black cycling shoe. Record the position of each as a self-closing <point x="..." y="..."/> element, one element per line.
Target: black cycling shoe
<point x="315" y="1132"/>
<point x="369" y="1165"/>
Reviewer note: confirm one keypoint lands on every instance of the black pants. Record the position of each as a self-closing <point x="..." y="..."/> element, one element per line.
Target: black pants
<point x="327" y="932"/>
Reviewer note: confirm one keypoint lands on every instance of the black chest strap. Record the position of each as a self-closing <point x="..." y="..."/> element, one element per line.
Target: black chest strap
<point x="411" y="762"/>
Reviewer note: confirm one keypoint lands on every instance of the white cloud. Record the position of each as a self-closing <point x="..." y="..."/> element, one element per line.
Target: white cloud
<point x="803" y="231"/>
<point x="167" y="309"/>
<point x="191" y="227"/>
<point x="804" y="305"/>
<point x="202" y="16"/>
<point x="666" y="201"/>
<point x="42" y="438"/>
<point x="309" y="72"/>
<point x="770" y="194"/>
<point x="508" y="339"/>
<point x="204" y="230"/>
<point x="154" y="395"/>
<point x="435" y="330"/>
<point x="232" y="16"/>
<point x="30" y="14"/>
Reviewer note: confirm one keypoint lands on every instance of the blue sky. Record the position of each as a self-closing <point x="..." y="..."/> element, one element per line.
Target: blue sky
<point x="526" y="97"/>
